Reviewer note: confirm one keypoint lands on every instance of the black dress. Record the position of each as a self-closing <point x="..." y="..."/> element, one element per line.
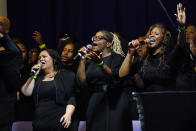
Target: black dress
<point x="162" y="77"/>
<point x="47" y="111"/>
<point x="108" y="105"/>
<point x="186" y="79"/>
<point x="51" y="99"/>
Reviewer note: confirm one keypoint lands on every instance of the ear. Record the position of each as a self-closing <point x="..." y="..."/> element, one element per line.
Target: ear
<point x="108" y="44"/>
<point x="54" y="62"/>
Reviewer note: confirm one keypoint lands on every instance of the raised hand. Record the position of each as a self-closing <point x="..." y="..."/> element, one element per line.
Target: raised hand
<point x="133" y="46"/>
<point x="181" y="15"/>
<point x="37" y="36"/>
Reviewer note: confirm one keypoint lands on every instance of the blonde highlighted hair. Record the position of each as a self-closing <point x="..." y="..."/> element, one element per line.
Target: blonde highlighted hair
<point x="113" y="38"/>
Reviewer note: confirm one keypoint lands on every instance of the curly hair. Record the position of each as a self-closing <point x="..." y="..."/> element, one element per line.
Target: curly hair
<point x="164" y="45"/>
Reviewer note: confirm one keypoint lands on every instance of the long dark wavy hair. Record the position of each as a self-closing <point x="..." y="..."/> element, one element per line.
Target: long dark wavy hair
<point x="164" y="45"/>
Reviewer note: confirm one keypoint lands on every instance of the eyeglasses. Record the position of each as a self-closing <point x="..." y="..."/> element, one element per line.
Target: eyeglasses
<point x="98" y="38"/>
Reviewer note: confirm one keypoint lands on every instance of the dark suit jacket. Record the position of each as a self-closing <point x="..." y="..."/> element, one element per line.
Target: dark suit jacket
<point x="9" y="74"/>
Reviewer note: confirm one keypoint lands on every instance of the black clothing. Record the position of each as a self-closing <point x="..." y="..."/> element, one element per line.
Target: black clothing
<point x="51" y="99"/>
<point x="108" y="104"/>
<point x="72" y="66"/>
<point x="9" y="75"/>
<point x="6" y="127"/>
<point x="25" y="106"/>
<point x="47" y="111"/>
<point x="186" y="79"/>
<point x="162" y="77"/>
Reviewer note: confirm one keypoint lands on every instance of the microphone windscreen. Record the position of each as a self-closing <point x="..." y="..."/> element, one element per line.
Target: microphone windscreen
<point x="89" y="46"/>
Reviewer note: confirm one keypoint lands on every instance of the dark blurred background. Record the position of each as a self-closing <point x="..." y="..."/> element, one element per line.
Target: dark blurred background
<point x="82" y="18"/>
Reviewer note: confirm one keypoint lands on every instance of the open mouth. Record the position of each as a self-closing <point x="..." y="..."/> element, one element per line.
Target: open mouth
<point x="152" y="39"/>
<point x="94" y="44"/>
<point x="43" y="63"/>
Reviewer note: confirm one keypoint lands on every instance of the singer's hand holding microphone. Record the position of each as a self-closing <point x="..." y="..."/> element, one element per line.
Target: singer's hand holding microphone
<point x="135" y="44"/>
<point x="86" y="53"/>
<point x="36" y="69"/>
<point x="82" y="53"/>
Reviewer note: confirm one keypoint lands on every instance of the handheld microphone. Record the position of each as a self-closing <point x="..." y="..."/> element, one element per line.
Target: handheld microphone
<point x="146" y="41"/>
<point x="33" y="71"/>
<point x="88" y="47"/>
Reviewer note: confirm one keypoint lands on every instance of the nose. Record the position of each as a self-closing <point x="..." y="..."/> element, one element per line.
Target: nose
<point x="41" y="59"/>
<point x="152" y="36"/>
<point x="65" y="52"/>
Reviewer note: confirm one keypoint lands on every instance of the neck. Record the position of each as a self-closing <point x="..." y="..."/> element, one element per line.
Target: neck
<point x="48" y="71"/>
<point x="156" y="50"/>
<point x="106" y="53"/>
<point x="68" y="63"/>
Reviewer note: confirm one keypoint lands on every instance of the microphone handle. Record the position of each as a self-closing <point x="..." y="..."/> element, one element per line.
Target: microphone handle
<point x="134" y="46"/>
<point x="77" y="56"/>
<point x="33" y="72"/>
<point x="138" y="44"/>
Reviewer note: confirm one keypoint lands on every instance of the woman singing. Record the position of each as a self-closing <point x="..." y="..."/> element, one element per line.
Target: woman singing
<point x="158" y="66"/>
<point x="53" y="93"/>
<point x="98" y="70"/>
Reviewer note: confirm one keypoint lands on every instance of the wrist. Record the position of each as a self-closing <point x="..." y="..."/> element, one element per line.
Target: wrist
<point x="34" y="76"/>
<point x="68" y="114"/>
<point x="181" y="28"/>
<point x="42" y="46"/>
<point x="83" y="61"/>
<point x="130" y="53"/>
<point x="101" y="63"/>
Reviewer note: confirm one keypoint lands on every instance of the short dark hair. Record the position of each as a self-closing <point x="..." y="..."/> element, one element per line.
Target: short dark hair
<point x="192" y="24"/>
<point x="66" y="39"/>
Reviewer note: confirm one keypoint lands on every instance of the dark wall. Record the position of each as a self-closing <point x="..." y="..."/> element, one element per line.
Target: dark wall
<point x="82" y="18"/>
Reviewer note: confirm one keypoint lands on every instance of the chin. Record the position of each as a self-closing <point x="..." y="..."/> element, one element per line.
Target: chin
<point x="64" y="60"/>
<point x="154" y="45"/>
<point x="188" y="41"/>
<point x="94" y="50"/>
<point x="43" y="67"/>
<point x="151" y="46"/>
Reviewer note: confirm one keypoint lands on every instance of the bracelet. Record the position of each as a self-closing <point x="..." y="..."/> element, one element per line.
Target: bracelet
<point x="42" y="46"/>
<point x="34" y="77"/>
<point x="181" y="28"/>
<point x="100" y="64"/>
